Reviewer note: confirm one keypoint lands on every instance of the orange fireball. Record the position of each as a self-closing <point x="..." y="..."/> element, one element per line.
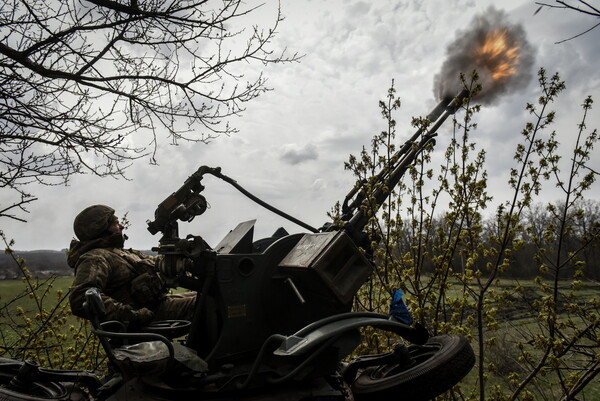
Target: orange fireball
<point x="498" y="55"/>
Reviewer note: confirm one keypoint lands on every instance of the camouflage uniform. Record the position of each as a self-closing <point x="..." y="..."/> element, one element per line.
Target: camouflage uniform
<point x="130" y="285"/>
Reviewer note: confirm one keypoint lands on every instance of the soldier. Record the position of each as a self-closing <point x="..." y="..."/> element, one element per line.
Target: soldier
<point x="129" y="282"/>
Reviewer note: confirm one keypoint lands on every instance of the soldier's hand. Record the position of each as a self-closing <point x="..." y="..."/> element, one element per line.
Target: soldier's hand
<point x="142" y="316"/>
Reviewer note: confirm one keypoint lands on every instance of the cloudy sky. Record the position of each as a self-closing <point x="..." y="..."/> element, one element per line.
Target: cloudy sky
<point x="293" y="141"/>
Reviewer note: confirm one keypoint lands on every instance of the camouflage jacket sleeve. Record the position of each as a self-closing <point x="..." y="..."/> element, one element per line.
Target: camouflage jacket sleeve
<point x="101" y="269"/>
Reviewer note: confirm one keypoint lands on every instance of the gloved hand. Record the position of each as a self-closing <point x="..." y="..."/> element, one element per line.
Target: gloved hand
<point x="141" y="316"/>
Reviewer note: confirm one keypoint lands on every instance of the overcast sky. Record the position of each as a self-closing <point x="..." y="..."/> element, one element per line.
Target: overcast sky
<point x="293" y="141"/>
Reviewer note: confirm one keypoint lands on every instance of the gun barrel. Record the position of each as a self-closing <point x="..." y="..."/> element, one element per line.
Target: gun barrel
<point x="390" y="176"/>
<point x="438" y="110"/>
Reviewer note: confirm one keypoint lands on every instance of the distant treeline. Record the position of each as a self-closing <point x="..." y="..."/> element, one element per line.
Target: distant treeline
<point x="539" y="238"/>
<point x="43" y="263"/>
<point x="525" y="262"/>
<point x="40" y="264"/>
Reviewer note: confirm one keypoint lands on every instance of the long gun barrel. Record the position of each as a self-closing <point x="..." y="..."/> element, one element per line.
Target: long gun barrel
<point x="353" y="214"/>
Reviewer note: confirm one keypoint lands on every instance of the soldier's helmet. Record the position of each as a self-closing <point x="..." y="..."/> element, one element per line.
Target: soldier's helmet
<point x="93" y="221"/>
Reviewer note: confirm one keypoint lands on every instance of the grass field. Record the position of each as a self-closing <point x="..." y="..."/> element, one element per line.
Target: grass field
<point x="14" y="290"/>
<point x="519" y="323"/>
<point x="18" y="306"/>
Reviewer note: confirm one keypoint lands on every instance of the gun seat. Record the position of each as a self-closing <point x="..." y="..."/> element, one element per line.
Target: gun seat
<point x="143" y="353"/>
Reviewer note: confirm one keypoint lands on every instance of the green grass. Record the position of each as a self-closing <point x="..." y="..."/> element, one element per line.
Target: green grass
<point x="18" y="305"/>
<point x="13" y="293"/>
<point x="518" y="323"/>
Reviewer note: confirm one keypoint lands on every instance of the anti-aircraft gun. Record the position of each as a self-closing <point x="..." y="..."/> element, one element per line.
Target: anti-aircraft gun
<point x="272" y="319"/>
<point x="250" y="291"/>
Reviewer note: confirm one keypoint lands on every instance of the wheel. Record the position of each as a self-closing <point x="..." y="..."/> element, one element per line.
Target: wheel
<point x="435" y="367"/>
<point x="169" y="328"/>
<point x="34" y="390"/>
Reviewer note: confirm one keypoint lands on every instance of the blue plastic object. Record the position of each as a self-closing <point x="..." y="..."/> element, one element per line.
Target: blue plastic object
<point x="399" y="310"/>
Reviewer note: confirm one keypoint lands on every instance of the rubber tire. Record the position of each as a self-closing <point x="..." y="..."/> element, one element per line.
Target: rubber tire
<point x="439" y="365"/>
<point x="37" y="391"/>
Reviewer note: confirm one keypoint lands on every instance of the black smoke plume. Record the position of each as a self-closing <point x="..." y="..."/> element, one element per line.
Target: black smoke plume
<point x="462" y="58"/>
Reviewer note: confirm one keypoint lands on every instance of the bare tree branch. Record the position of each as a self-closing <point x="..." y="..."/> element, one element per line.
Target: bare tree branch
<point x="586" y="8"/>
<point x="79" y="77"/>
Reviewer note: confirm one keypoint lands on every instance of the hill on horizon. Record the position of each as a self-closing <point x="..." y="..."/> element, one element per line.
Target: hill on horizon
<point x="41" y="263"/>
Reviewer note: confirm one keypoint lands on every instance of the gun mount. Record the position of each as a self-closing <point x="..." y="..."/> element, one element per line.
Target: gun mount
<point x="247" y="286"/>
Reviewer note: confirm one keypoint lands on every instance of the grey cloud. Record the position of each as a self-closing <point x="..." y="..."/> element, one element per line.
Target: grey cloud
<point x="294" y="154"/>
